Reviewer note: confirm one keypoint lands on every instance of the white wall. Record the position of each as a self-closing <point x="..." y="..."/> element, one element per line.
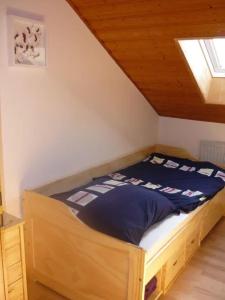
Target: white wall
<point x="78" y="112"/>
<point x="188" y="133"/>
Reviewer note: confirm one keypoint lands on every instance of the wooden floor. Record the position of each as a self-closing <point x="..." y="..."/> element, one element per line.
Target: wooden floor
<point x="203" y="279"/>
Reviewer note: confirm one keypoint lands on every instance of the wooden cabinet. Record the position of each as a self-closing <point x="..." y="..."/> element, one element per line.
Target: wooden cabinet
<point x="12" y="259"/>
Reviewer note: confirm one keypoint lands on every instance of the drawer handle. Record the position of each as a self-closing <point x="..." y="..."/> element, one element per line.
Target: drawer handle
<point x="174" y="264"/>
<point x="193" y="241"/>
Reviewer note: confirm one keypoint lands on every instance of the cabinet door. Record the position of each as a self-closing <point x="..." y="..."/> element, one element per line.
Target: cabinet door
<point x="2" y="287"/>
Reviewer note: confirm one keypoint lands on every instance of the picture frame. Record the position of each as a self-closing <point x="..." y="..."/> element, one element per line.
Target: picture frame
<point x="26" y="41"/>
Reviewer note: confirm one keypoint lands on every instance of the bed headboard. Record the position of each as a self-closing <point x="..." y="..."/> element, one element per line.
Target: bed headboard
<point x="173" y="151"/>
<point x="83" y="177"/>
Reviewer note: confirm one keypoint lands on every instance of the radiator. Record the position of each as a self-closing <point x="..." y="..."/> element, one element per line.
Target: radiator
<point x="212" y="151"/>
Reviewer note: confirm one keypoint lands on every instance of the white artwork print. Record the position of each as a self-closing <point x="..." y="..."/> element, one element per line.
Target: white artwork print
<point x="187" y="169"/>
<point x="117" y="176"/>
<point x="100" y="188"/>
<point x="152" y="186"/>
<point x="171" y="164"/>
<point x="115" y="182"/>
<point x="82" y="198"/>
<point x="157" y="160"/>
<point x="221" y="175"/>
<point x="134" y="181"/>
<point x="26" y="42"/>
<point x="207" y="172"/>
<point x="170" y="190"/>
<point x="190" y="193"/>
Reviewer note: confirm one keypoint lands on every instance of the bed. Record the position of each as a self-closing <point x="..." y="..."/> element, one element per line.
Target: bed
<point x="81" y="263"/>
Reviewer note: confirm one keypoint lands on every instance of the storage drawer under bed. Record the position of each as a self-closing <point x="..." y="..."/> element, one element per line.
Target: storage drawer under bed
<point x="213" y="214"/>
<point x="193" y="242"/>
<point x="173" y="266"/>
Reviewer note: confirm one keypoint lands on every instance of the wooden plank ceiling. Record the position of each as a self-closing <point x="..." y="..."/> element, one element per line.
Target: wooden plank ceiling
<point x="140" y="36"/>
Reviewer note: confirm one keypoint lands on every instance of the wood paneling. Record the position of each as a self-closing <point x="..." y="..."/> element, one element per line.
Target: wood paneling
<point x="140" y="35"/>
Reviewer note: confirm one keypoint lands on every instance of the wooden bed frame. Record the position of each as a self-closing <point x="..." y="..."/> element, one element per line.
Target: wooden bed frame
<point x="83" y="264"/>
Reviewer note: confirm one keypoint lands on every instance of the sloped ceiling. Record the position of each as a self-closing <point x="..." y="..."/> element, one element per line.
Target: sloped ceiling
<point x="141" y="37"/>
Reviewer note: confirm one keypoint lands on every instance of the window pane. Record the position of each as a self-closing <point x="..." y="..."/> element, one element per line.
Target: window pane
<point x="219" y="45"/>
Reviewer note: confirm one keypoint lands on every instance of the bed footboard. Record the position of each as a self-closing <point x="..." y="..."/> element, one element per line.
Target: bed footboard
<point x="76" y="261"/>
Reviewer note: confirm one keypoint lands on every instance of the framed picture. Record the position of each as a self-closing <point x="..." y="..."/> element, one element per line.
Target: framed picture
<point x="27" y="44"/>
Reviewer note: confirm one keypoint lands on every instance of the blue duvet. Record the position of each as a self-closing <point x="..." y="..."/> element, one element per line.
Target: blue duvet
<point x="126" y="203"/>
<point x="186" y="183"/>
<point x="121" y="210"/>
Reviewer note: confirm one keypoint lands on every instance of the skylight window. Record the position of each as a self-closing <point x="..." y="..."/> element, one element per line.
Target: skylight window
<point x="214" y="52"/>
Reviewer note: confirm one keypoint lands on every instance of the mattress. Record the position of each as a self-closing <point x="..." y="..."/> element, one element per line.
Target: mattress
<point x="162" y="230"/>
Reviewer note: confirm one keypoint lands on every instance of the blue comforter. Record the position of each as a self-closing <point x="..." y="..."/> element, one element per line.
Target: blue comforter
<point x="126" y="203"/>
<point x="121" y="210"/>
<point x="186" y="183"/>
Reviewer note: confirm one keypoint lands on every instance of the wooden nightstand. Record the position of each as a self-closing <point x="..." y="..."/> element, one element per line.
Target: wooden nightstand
<point x="13" y="284"/>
